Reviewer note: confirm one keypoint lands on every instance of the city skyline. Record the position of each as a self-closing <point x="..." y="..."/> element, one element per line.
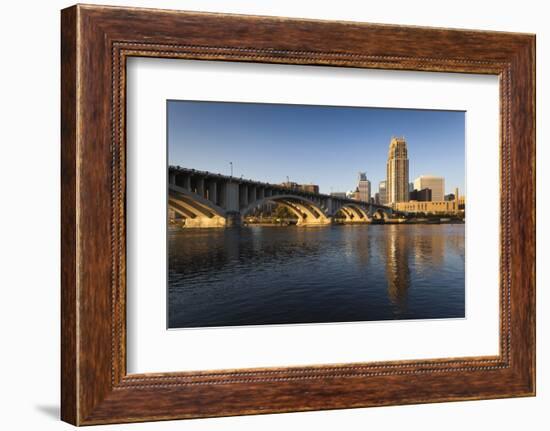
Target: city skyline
<point x="323" y="145"/>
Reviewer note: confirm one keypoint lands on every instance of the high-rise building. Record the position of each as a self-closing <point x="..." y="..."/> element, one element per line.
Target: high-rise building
<point x="382" y="192"/>
<point x="397" y="172"/>
<point x="435" y="184"/>
<point x="364" y="187"/>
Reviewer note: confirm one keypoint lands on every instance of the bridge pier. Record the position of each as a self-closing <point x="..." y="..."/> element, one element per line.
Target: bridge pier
<point x="212" y="192"/>
<point x="200" y="187"/>
<point x="233" y="219"/>
<point x="231" y="202"/>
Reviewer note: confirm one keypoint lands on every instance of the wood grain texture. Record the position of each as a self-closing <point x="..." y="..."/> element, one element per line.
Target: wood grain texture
<point x="96" y="41"/>
<point x="69" y="367"/>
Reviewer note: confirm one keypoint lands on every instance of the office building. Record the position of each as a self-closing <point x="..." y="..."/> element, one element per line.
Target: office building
<point x="354" y="194"/>
<point x="397" y="172"/>
<point x="342" y="195"/>
<point x="382" y="192"/>
<point x="363" y="187"/>
<point x="424" y="195"/>
<point x="431" y="207"/>
<point x="435" y="184"/>
<point x="309" y="188"/>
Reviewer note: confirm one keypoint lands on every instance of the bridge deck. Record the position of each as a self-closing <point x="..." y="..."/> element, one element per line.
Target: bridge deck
<point x="240" y="180"/>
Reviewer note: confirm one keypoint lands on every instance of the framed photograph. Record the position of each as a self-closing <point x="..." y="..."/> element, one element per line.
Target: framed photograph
<point x="264" y="214"/>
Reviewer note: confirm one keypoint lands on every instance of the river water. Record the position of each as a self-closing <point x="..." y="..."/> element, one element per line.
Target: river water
<point x="282" y="275"/>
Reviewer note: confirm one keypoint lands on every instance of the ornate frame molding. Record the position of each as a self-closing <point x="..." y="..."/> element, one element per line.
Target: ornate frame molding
<point x="96" y="41"/>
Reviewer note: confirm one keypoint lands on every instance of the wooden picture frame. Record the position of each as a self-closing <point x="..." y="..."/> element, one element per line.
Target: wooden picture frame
<point x="95" y="43"/>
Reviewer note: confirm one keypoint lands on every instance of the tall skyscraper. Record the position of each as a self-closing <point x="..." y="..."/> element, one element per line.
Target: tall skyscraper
<point x="435" y="184"/>
<point x="397" y="172"/>
<point x="364" y="187"/>
<point x="382" y="192"/>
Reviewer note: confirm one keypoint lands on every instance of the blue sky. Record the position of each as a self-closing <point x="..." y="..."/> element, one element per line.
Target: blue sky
<point x="323" y="145"/>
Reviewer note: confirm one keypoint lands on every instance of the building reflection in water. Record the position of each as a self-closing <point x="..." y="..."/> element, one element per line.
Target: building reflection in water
<point x="429" y="248"/>
<point x="418" y="250"/>
<point x="398" y="272"/>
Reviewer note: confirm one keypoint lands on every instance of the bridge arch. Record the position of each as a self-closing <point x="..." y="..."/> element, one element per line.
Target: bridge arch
<point x="354" y="213"/>
<point x="380" y="214"/>
<point x="194" y="209"/>
<point x="309" y="213"/>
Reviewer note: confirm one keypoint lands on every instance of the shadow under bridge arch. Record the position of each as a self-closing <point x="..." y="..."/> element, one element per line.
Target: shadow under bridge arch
<point x="195" y="210"/>
<point x="381" y="215"/>
<point x="353" y="213"/>
<point x="309" y="213"/>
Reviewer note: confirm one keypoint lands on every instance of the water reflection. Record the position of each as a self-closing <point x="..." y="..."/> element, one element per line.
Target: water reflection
<point x="397" y="267"/>
<point x="274" y="275"/>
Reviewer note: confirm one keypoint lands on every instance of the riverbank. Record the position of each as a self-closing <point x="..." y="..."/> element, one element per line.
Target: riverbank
<point x="414" y="221"/>
<point x="424" y="221"/>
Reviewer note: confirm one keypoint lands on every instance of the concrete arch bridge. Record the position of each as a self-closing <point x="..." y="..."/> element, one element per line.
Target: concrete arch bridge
<point x="204" y="199"/>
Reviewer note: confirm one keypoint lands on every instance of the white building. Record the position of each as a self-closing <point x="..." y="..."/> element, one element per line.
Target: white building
<point x="435" y="184"/>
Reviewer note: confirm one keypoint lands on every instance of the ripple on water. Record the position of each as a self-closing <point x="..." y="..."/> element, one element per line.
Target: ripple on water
<point x="269" y="275"/>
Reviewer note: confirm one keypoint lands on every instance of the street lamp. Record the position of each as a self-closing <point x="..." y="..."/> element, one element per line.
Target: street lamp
<point x="231" y="165"/>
